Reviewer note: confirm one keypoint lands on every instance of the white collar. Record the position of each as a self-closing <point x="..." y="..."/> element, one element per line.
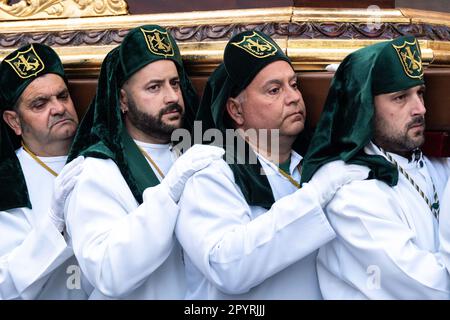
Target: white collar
<point x="416" y="160"/>
<point x="147" y="145"/>
<point x="295" y="161"/>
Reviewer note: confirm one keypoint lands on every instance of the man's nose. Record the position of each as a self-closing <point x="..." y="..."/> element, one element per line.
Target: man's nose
<point x="293" y="95"/>
<point x="418" y="106"/>
<point x="171" y="95"/>
<point x="57" y="107"/>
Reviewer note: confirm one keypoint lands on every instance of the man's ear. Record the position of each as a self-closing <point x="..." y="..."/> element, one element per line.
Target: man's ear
<point x="13" y="121"/>
<point x="234" y="109"/>
<point x="123" y="101"/>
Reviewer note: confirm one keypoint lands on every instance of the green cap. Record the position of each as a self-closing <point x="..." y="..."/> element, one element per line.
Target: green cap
<point x="22" y="66"/>
<point x="346" y="123"/>
<point x="398" y="66"/>
<point x="17" y="71"/>
<point x="246" y="54"/>
<point x="102" y="133"/>
<point x="144" y="45"/>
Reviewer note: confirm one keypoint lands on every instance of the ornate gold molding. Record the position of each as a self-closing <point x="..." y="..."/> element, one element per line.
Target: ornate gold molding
<point x="348" y="15"/>
<point x="180" y="20"/>
<point x="314" y="55"/>
<point x="312" y="38"/>
<point x="428" y="17"/>
<point x="45" y="9"/>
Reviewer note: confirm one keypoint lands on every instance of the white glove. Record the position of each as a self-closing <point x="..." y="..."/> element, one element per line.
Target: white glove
<point x="333" y="175"/>
<point x="64" y="184"/>
<point x="332" y="67"/>
<point x="196" y="158"/>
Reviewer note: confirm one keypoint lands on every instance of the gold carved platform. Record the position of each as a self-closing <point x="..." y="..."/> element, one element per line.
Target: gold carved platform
<point x="48" y="9"/>
<point x="312" y="38"/>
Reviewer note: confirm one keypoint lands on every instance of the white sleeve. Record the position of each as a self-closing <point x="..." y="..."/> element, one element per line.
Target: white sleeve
<point x="444" y="226"/>
<point x="373" y="235"/>
<point x="28" y="254"/>
<point x="117" y="243"/>
<point x="235" y="251"/>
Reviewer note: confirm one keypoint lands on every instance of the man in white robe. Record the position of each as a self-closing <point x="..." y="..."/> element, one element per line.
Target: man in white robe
<point x="122" y="212"/>
<point x="387" y="244"/>
<point x="247" y="230"/>
<point x="37" y="113"/>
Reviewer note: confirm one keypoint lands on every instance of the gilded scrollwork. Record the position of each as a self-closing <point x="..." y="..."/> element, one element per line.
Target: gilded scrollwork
<point x="311" y="38"/>
<point x="44" y="9"/>
<point x="211" y="33"/>
<point x="102" y="6"/>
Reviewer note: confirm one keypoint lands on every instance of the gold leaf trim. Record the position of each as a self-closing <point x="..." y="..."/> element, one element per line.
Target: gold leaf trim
<point x="45" y="9"/>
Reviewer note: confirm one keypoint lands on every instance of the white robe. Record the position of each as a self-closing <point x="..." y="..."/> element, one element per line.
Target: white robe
<point x="234" y="251"/>
<point x="444" y="226"/>
<point x="387" y="244"/>
<point x="35" y="261"/>
<point x="126" y="250"/>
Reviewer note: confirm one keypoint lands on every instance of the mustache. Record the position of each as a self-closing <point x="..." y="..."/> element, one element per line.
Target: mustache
<point x="55" y="119"/>
<point x="417" y="120"/>
<point x="170" y="108"/>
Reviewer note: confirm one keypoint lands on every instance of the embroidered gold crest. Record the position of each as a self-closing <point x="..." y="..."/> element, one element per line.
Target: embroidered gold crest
<point x="409" y="55"/>
<point x="158" y="42"/>
<point x="26" y="63"/>
<point x="256" y="45"/>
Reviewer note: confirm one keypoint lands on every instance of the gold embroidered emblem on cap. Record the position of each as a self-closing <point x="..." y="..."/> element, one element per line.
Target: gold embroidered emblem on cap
<point x="158" y="42"/>
<point x="409" y="54"/>
<point x="256" y="45"/>
<point x="26" y="63"/>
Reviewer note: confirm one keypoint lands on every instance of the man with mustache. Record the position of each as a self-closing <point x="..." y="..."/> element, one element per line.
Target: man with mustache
<point x="247" y="228"/>
<point x="387" y="244"/>
<point x="37" y="127"/>
<point x="122" y="212"/>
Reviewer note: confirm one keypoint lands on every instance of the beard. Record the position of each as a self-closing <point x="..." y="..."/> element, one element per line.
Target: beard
<point x="154" y="126"/>
<point x="393" y="140"/>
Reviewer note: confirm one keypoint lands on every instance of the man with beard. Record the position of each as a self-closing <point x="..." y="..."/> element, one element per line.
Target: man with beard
<point x="122" y="212"/>
<point x="387" y="244"/>
<point x="37" y="127"/>
<point x="247" y="228"/>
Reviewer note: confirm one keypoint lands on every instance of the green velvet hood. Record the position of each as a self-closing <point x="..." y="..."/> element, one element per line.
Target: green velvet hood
<point x="346" y="123"/>
<point x="245" y="55"/>
<point x="17" y="71"/>
<point x="102" y="133"/>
